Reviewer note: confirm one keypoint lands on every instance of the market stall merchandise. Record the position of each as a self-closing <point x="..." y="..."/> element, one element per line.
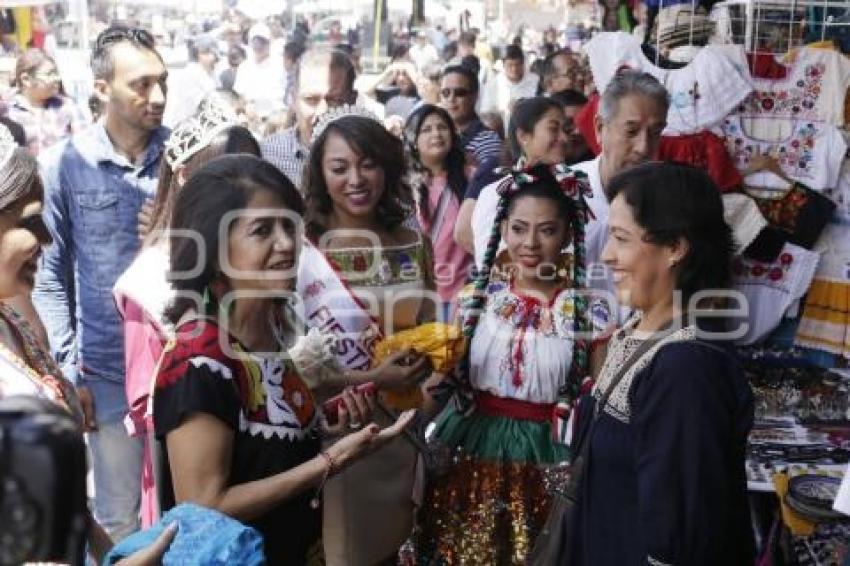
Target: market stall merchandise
<point x="781" y="117"/>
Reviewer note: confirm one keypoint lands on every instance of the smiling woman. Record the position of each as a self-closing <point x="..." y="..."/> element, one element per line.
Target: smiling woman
<point x="437" y="171"/>
<point x="22" y="235"/>
<point x="365" y="273"/>
<point x="671" y="408"/>
<point x="238" y="429"/>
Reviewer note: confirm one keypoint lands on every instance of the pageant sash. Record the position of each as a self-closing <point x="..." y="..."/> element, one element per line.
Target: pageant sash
<point x="329" y="305"/>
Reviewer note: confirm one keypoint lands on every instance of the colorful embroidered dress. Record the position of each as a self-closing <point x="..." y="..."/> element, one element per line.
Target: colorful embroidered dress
<point x="271" y="413"/>
<point x="490" y="504"/>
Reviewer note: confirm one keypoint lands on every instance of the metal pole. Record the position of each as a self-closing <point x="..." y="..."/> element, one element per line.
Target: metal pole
<point x="376" y="44"/>
<point x="748" y="33"/>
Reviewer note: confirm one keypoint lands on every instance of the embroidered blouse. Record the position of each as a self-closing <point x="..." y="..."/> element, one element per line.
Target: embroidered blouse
<point x="523" y="347"/>
<point x="808" y="152"/>
<point x="701" y="93"/>
<point x="812" y="90"/>
<point x="270" y="411"/>
<point x="34" y="372"/>
<point x="388" y="281"/>
<point x="771" y="289"/>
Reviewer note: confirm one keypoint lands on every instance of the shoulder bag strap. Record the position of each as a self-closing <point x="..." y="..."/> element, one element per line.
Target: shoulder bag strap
<point x="580" y="460"/>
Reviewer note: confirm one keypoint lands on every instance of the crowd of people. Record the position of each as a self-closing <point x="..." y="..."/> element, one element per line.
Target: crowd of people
<point x="208" y="294"/>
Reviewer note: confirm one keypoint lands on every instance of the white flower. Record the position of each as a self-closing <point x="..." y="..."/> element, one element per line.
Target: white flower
<point x="314" y="356"/>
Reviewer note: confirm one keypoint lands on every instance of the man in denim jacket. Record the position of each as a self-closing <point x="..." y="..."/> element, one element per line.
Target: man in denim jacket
<point x="95" y="184"/>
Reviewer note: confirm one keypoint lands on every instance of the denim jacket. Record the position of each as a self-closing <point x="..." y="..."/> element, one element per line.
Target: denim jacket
<point x="92" y="198"/>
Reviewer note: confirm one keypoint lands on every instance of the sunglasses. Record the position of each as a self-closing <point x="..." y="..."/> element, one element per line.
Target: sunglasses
<point x="457" y="92"/>
<point x="117" y="34"/>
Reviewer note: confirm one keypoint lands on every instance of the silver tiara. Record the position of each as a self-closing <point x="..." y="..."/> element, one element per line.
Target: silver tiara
<point x="196" y="132"/>
<point x="337" y="112"/>
<point x="8" y="145"/>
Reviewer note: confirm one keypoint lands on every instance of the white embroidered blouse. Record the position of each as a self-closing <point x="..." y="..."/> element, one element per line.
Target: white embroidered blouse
<point x="701" y="94"/>
<point x="523" y="348"/>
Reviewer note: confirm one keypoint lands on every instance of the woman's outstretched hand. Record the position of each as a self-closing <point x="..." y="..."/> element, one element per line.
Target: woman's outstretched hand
<point x="370" y="438"/>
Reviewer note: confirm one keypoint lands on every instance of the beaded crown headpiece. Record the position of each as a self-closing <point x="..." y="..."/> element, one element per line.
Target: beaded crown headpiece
<point x="196" y="132"/>
<point x="7" y="145"/>
<point x="337" y="112"/>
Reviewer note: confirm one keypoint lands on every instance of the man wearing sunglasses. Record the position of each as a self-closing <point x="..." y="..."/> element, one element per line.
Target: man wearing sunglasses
<point x="458" y="95"/>
<point x="94" y="186"/>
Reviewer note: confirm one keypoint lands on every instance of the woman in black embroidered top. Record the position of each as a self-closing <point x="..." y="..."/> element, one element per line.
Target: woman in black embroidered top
<point x="238" y="425"/>
<point x="664" y="482"/>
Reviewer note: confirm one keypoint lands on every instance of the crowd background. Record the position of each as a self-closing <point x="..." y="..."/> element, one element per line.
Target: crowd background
<point x="473" y="153"/>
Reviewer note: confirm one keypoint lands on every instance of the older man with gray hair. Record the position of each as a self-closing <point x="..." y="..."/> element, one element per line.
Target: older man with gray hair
<point x="632" y="115"/>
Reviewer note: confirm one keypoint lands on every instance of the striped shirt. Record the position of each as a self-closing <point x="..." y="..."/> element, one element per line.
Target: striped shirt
<point x="480" y="142"/>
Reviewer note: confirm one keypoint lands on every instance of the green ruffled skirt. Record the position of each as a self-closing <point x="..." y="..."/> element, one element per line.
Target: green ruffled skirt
<point x="490" y="502"/>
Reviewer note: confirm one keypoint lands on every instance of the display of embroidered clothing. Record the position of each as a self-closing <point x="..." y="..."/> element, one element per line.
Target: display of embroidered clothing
<point x="489" y="505"/>
<point x="706" y="151"/>
<point x="807" y="152"/>
<point x="801" y="213"/>
<point x="701" y="94"/>
<point x="825" y="324"/>
<point x="814" y="89"/>
<point x="270" y="411"/>
<point x="770" y="289"/>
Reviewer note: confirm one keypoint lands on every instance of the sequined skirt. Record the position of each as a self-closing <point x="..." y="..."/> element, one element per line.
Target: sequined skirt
<point x="489" y="503"/>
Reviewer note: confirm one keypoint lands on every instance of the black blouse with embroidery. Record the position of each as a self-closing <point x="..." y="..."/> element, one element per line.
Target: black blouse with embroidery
<point x="272" y="415"/>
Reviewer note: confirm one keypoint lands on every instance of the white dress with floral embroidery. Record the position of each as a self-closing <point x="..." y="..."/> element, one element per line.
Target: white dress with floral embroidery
<point x="490" y="503"/>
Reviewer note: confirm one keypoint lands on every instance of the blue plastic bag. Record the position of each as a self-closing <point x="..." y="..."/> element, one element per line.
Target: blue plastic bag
<point x="204" y="537"/>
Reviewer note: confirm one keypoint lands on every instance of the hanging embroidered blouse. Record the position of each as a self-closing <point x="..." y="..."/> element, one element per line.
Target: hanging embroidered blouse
<point x="701" y="94"/>
<point x="771" y="289"/>
<point x="808" y="152"/>
<point x="523" y="347"/>
<point x="840" y="195"/>
<point x="800" y="213"/>
<point x="825" y="324"/>
<point x="814" y="88"/>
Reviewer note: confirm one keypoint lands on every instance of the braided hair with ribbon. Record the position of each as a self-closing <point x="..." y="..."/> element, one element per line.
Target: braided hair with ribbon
<point x="565" y="183"/>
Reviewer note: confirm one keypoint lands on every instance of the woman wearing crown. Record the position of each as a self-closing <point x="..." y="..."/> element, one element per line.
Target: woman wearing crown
<point x="142" y="292"/>
<point x="362" y="275"/>
<point x="529" y="347"/>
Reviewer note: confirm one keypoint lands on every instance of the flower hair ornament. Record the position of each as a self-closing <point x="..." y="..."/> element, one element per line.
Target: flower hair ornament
<point x="327" y="118"/>
<point x="195" y="133"/>
<point x="573" y="184"/>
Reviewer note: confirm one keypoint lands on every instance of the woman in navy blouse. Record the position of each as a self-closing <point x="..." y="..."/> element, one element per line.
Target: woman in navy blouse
<point x="665" y="482"/>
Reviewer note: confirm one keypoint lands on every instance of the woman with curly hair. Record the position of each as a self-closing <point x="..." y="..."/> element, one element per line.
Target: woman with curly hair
<point x="364" y="274"/>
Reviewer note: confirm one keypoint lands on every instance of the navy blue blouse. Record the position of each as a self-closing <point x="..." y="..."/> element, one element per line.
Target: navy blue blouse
<point x="666" y="484"/>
